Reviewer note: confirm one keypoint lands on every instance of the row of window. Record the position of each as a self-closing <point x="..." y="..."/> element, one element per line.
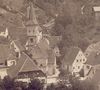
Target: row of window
<point x="80" y="60"/>
<point x="77" y="67"/>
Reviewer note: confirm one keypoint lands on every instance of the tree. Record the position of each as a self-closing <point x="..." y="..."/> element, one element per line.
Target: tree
<point x="36" y="85"/>
<point x="8" y="83"/>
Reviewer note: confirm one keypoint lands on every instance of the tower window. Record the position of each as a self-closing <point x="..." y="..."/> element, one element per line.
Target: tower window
<point x="78" y="67"/>
<point x="17" y="54"/>
<point x="31" y="39"/>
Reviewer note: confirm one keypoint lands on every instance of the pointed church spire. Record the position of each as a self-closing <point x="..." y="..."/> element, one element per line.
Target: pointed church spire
<point x="31" y="14"/>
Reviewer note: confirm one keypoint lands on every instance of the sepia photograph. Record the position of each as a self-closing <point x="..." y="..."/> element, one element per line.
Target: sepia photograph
<point x="49" y="44"/>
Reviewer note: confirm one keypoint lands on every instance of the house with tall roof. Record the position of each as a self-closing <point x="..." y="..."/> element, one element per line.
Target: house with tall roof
<point x="93" y="60"/>
<point x="17" y="47"/>
<point x="25" y="69"/>
<point x="94" y="47"/>
<point x="92" y="64"/>
<point x="74" y="60"/>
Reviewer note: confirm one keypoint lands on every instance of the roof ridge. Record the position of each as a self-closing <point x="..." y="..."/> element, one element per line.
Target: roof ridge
<point x="29" y="58"/>
<point x="22" y="65"/>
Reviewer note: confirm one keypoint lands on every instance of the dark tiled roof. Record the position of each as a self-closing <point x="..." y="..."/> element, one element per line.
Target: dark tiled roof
<point x="96" y="77"/>
<point x="38" y="53"/>
<point x="19" y="45"/>
<point x="40" y="50"/>
<point x="18" y="33"/>
<point x="93" y="59"/>
<point x="24" y="64"/>
<point x="71" y="55"/>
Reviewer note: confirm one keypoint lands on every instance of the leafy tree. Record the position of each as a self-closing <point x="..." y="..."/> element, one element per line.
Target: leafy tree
<point x="36" y="85"/>
<point x="8" y="83"/>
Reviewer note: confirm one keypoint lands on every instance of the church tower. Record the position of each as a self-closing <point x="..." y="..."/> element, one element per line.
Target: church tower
<point x="34" y="31"/>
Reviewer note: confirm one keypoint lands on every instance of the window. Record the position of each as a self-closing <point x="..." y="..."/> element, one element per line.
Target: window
<point x="17" y="54"/>
<point x="73" y="67"/>
<point x="88" y="67"/>
<point x="29" y="31"/>
<point x="76" y="60"/>
<point x="41" y="65"/>
<point x="35" y="62"/>
<point x="78" y="67"/>
<point x="80" y="60"/>
<point x="83" y="59"/>
<point x="93" y="72"/>
<point x="87" y="54"/>
<point x="31" y="39"/>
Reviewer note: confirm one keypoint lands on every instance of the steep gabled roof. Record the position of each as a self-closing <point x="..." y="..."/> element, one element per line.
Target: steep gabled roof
<point x="31" y="14"/>
<point x="40" y="50"/>
<point x="96" y="77"/>
<point x="38" y="53"/>
<point x="94" y="47"/>
<point x="24" y="64"/>
<point x="18" y="33"/>
<point x="93" y="58"/>
<point x="19" y="45"/>
<point x="70" y="57"/>
<point x="93" y="54"/>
